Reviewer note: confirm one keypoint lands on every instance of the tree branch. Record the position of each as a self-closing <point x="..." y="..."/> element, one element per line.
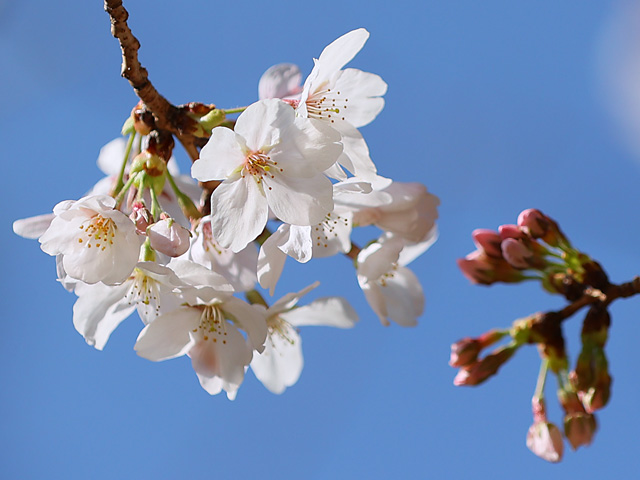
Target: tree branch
<point x="167" y="116"/>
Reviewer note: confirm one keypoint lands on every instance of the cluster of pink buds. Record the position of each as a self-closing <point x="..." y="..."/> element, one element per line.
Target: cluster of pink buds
<point x="537" y="249"/>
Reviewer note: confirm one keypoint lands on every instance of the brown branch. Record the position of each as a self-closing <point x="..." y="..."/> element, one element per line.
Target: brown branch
<point x="167" y="116"/>
<point x="592" y="296"/>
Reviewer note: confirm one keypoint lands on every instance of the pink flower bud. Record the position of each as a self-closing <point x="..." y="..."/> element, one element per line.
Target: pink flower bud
<point x="481" y="370"/>
<point x="511" y="231"/>
<point x="464" y="352"/>
<point x="537" y="225"/>
<point x="169" y="237"/>
<point x="534" y="222"/>
<point x="545" y="440"/>
<point x="141" y="217"/>
<point x="579" y="428"/>
<point x="516" y="253"/>
<point x="478" y="267"/>
<point x="488" y="241"/>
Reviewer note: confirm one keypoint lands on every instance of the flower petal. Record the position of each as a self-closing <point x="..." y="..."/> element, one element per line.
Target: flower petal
<point x="169" y="335"/>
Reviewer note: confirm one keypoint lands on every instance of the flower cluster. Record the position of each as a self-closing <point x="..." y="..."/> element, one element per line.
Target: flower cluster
<point x="290" y="177"/>
<point x="536" y="249"/>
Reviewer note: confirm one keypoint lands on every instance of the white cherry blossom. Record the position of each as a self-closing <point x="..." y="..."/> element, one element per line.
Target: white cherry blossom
<point x="97" y="242"/>
<point x="411" y="212"/>
<point x="207" y="328"/>
<point x="271" y="160"/>
<point x="345" y="99"/>
<point x="280" y="364"/>
<point x="101" y="308"/>
<point x="392" y="290"/>
<point x="238" y="268"/>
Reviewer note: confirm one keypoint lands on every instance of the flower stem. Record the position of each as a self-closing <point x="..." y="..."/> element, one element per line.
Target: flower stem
<point x="542" y="378"/>
<point x="235" y="110"/>
<point x="127" y="152"/>
<point x="124" y="189"/>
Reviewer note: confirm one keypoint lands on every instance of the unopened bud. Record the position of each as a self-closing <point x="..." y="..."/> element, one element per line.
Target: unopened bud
<point x="169" y="237"/>
<point x="488" y="241"/>
<point x="464" y="352"/>
<point x="538" y="225"/>
<point x="545" y="440"/>
<point x="516" y="253"/>
<point x="481" y="370"/>
<point x="141" y="217"/>
<point x="579" y="428"/>
<point x="485" y="270"/>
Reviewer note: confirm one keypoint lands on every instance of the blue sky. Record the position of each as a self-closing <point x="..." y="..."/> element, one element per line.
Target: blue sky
<point x="496" y="106"/>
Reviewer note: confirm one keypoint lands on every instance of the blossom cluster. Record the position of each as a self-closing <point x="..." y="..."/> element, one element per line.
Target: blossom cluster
<point x="536" y="249"/>
<point x="292" y="177"/>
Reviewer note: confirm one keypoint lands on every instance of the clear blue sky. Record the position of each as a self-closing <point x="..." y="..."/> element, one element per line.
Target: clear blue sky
<point x="496" y="106"/>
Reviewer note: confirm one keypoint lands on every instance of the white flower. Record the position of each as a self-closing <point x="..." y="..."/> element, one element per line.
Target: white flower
<point x="411" y="212"/>
<point x="280" y="364"/>
<point x="392" y="290"/>
<point x="206" y="327"/>
<point x="101" y="308"/>
<point x="97" y="242"/>
<point x="272" y="160"/>
<point x="346" y="99"/>
<point x="329" y="237"/>
<point x="238" y="268"/>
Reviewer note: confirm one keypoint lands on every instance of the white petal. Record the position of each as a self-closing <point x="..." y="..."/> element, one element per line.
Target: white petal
<point x="168" y="336"/>
<point x="298" y="243"/>
<point x="98" y="310"/>
<point x="111" y="156"/>
<point x="33" y="227"/>
<point x="364" y="91"/>
<point x="329" y="312"/>
<point x="290" y="300"/>
<point x="300" y="201"/>
<point x="262" y="123"/>
<point x="270" y="264"/>
<point x="280" y="365"/>
<point x="341" y="51"/>
<point x="225" y="360"/>
<point x="239" y="213"/>
<point x="251" y="319"/>
<point x="222" y="154"/>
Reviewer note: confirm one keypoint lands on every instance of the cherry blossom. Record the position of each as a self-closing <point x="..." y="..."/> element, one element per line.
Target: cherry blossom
<point x="280" y="364"/>
<point x="101" y="308"/>
<point x="207" y="328"/>
<point x="392" y="290"/>
<point x="97" y="242"/>
<point x="271" y="160"/>
<point x="238" y="268"/>
<point x="346" y="99"/>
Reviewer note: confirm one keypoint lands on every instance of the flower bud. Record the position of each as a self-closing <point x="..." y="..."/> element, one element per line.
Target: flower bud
<point x="487" y="241"/>
<point x="538" y="225"/>
<point x="481" y="370"/>
<point x="511" y="231"/>
<point x="485" y="270"/>
<point x="545" y="440"/>
<point x="464" y="352"/>
<point x="579" y="428"/>
<point x="141" y="217"/>
<point x="169" y="237"/>
<point x="516" y="253"/>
